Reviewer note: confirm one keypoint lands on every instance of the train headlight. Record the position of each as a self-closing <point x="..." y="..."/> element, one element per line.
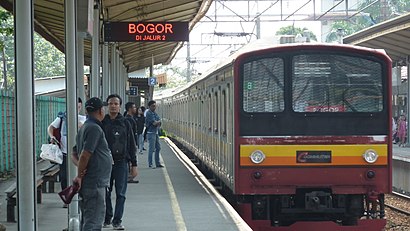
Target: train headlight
<point x="257" y="157"/>
<point x="370" y="156"/>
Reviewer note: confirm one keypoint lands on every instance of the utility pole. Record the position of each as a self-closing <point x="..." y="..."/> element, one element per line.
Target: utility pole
<point x="188" y="62"/>
<point x="407" y="100"/>
<point x="384" y="5"/>
<point x="340" y="33"/>
<point x="3" y="50"/>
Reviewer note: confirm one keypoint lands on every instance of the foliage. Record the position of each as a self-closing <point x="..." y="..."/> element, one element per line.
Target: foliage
<point x="369" y="16"/>
<point x="48" y="60"/>
<point x="5" y="28"/>
<point x="176" y="75"/>
<point x="291" y="30"/>
<point x="6" y="44"/>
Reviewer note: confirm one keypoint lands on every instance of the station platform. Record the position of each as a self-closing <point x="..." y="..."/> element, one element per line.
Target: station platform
<point x="401" y="153"/>
<point x="176" y="197"/>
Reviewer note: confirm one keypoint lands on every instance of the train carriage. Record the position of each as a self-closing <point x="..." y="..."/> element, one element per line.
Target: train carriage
<point x="298" y="135"/>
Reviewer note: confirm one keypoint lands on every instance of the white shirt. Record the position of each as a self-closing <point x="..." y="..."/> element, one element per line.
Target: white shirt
<point x="56" y="124"/>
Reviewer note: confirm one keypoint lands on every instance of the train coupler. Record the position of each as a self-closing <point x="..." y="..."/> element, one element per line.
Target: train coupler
<point x="318" y="200"/>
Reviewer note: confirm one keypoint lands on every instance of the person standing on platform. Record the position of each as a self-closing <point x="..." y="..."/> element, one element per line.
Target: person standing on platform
<point x="144" y="112"/>
<point x="57" y="131"/>
<point x="94" y="166"/>
<point x="152" y="123"/>
<point x="120" y="138"/>
<point x="402" y="130"/>
<point x="140" y="129"/>
<point x="129" y="114"/>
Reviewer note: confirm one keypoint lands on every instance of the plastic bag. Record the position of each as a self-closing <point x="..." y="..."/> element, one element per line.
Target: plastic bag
<point x="52" y="153"/>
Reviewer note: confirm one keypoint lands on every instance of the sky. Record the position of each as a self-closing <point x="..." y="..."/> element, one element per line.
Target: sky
<point x="238" y="17"/>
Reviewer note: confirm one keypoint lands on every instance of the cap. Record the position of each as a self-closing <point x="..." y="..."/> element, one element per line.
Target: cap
<point x="94" y="103"/>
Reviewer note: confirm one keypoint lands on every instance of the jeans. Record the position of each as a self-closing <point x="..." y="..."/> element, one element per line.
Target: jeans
<point x="92" y="205"/>
<point x="141" y="142"/>
<point x="119" y="177"/>
<point x="153" y="140"/>
<point x="63" y="172"/>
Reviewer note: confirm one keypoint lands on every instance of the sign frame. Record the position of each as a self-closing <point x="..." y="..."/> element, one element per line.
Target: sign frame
<point x="146" y="31"/>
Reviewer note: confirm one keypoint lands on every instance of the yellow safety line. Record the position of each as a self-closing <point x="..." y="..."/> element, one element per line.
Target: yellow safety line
<point x="179" y="219"/>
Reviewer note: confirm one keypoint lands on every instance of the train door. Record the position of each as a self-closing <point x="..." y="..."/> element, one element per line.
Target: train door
<point x="201" y="125"/>
<point x="223" y="149"/>
<point x="215" y="138"/>
<point x="218" y="131"/>
<point x="230" y="133"/>
<point x="208" y="113"/>
<point x="194" y="123"/>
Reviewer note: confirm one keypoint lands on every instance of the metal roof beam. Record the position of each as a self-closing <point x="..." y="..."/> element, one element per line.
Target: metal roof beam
<point x="389" y="48"/>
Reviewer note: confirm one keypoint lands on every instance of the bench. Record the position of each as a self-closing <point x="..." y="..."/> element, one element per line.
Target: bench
<point x="12" y="201"/>
<point x="44" y="170"/>
<point x="49" y="174"/>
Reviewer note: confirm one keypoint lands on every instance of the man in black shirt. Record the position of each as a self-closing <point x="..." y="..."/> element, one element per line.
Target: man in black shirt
<point x="120" y="138"/>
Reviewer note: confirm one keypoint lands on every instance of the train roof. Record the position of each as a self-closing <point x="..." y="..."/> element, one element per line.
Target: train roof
<point x="267" y="43"/>
<point x="262" y="44"/>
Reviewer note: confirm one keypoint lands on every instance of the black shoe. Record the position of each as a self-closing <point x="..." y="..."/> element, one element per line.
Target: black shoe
<point x="133" y="181"/>
<point x="160" y="166"/>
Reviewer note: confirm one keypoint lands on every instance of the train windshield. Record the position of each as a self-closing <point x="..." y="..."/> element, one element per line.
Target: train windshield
<point x="336" y="83"/>
<point x="263" y="89"/>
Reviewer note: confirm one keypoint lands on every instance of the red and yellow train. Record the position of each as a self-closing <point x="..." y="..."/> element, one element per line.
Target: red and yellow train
<point x="298" y="135"/>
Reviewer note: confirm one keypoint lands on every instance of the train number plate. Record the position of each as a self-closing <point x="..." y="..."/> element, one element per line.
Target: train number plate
<point x="313" y="156"/>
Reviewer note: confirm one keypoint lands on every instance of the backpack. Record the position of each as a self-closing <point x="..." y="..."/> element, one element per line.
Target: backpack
<point x="116" y="135"/>
<point x="57" y="131"/>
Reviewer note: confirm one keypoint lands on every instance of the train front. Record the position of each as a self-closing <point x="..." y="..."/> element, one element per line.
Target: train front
<point x="313" y="138"/>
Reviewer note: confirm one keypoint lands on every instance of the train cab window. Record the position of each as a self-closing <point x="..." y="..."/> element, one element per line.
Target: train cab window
<point x="263" y="85"/>
<point x="336" y="83"/>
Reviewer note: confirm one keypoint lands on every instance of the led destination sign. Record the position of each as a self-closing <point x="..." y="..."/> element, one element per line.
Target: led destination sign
<point x="146" y="31"/>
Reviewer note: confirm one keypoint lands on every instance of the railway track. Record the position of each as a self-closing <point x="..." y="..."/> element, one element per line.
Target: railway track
<point x="397" y="212"/>
<point x="396" y="208"/>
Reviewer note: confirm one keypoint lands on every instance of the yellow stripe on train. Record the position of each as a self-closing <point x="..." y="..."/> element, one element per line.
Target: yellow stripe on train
<point x="327" y="155"/>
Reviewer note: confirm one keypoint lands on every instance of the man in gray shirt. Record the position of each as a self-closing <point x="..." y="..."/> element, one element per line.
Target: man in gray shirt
<point x="94" y="166"/>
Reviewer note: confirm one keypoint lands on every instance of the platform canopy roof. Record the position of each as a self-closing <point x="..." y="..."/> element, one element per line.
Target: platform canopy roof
<point x="49" y="23"/>
<point x="393" y="36"/>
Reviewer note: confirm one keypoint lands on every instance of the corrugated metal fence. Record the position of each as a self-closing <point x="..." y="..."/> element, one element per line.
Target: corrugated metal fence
<point x="46" y="111"/>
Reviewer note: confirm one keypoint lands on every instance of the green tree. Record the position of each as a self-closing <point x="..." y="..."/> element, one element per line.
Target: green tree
<point x="342" y="28"/>
<point x="371" y="14"/>
<point x="176" y="75"/>
<point x="48" y="60"/>
<point x="6" y="30"/>
<point x="291" y="30"/>
<point x="400" y="6"/>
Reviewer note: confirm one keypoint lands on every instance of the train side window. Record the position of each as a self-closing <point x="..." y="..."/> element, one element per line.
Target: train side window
<point x="216" y="113"/>
<point x="263" y="85"/>
<point x="210" y="113"/>
<point x="224" y="109"/>
<point x="200" y="104"/>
